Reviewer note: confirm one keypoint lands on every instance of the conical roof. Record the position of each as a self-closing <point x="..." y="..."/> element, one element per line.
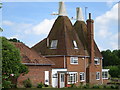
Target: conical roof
<point x="64" y="32"/>
<point x="81" y="29"/>
<point x="30" y="56"/>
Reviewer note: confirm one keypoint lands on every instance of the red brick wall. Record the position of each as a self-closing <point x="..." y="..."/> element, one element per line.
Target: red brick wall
<point x="92" y="73"/>
<point x="36" y="74"/>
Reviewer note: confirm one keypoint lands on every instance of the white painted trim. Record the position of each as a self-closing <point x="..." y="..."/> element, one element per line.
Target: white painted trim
<point x="99" y="76"/>
<point x="47" y="77"/>
<point x="84" y="77"/>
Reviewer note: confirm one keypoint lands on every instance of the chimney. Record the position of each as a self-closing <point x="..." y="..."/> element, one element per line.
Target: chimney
<point x="62" y="9"/>
<point x="79" y="14"/>
<point x="90" y="28"/>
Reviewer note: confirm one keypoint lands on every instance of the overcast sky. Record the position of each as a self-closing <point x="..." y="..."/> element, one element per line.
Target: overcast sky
<point x="30" y="22"/>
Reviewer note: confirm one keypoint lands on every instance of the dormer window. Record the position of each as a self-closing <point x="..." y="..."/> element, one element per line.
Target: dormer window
<point x="53" y="44"/>
<point x="97" y="61"/>
<point x="75" y="44"/>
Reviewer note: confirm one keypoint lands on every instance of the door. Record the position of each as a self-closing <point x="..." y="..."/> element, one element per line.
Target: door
<point x="47" y="77"/>
<point x="62" y="80"/>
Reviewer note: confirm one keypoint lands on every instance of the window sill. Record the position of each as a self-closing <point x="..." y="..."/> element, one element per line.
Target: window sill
<point x="82" y="80"/>
<point x="104" y="78"/>
<point x="71" y="82"/>
<point x="97" y="64"/>
<point x="75" y="48"/>
<point x="97" y="79"/>
<point x="74" y="63"/>
<point x="52" y="48"/>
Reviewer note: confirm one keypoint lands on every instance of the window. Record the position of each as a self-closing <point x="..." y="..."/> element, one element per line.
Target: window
<point x="53" y="44"/>
<point x="72" y="78"/>
<point x="105" y="74"/>
<point x="97" y="75"/>
<point x="74" y="60"/>
<point x="62" y="77"/>
<point x="75" y="45"/>
<point x="97" y="61"/>
<point x="82" y="76"/>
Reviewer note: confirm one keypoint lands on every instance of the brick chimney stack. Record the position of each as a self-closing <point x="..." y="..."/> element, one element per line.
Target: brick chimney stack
<point x="90" y="28"/>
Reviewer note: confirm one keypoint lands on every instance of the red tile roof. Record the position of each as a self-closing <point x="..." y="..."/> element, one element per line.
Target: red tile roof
<point x="30" y="57"/>
<point x="64" y="32"/>
<point x="81" y="29"/>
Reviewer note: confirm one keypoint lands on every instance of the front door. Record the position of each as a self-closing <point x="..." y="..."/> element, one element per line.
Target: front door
<point x="47" y="77"/>
<point x="62" y="80"/>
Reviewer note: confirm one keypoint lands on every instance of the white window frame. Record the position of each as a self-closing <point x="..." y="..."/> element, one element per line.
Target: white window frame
<point x="103" y="73"/>
<point x="98" y="61"/>
<point x="75" y="44"/>
<point x="83" y="76"/>
<point x="53" y="44"/>
<point x="97" y="75"/>
<point x="73" y="60"/>
<point x="74" y="76"/>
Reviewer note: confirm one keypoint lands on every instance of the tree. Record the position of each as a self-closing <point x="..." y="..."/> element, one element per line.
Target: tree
<point x="111" y="60"/>
<point x="11" y="63"/>
<point x="14" y="40"/>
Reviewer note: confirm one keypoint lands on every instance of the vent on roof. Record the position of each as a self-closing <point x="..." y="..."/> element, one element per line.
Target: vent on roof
<point x="79" y="15"/>
<point x="53" y="44"/>
<point x="62" y="9"/>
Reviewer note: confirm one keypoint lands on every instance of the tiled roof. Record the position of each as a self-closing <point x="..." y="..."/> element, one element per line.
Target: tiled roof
<point x="64" y="32"/>
<point x="81" y="29"/>
<point x="30" y="57"/>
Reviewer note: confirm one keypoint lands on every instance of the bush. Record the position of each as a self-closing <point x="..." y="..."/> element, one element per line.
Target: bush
<point x="40" y="85"/>
<point x="96" y="86"/>
<point x="27" y="83"/>
<point x="6" y="84"/>
<point x="114" y="87"/>
<point x="73" y="86"/>
<point x="86" y="86"/>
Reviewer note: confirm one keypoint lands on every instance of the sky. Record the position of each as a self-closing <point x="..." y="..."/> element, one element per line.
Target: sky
<point x="30" y="22"/>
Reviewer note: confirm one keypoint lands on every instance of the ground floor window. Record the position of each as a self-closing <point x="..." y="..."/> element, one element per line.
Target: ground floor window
<point x="82" y="76"/>
<point x="72" y="78"/>
<point x="97" y="75"/>
<point x="105" y="74"/>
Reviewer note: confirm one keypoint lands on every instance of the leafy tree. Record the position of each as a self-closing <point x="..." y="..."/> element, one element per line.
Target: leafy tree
<point x="111" y="60"/>
<point x="11" y="63"/>
<point x="114" y="71"/>
<point x="14" y="40"/>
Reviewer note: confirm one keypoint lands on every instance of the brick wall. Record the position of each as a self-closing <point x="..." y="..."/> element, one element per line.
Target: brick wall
<point x="36" y="74"/>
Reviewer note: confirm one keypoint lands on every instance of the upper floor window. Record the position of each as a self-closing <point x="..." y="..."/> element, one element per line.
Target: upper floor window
<point x="97" y="61"/>
<point x="82" y="76"/>
<point x="75" y="44"/>
<point x="53" y="44"/>
<point x="97" y="75"/>
<point x="73" y="60"/>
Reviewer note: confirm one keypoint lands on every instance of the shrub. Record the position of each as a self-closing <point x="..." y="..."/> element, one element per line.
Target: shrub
<point x="27" y="83"/>
<point x="96" y="86"/>
<point x="6" y="84"/>
<point x="40" y="85"/>
<point x="86" y="86"/>
<point x="114" y="87"/>
<point x="73" y="86"/>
